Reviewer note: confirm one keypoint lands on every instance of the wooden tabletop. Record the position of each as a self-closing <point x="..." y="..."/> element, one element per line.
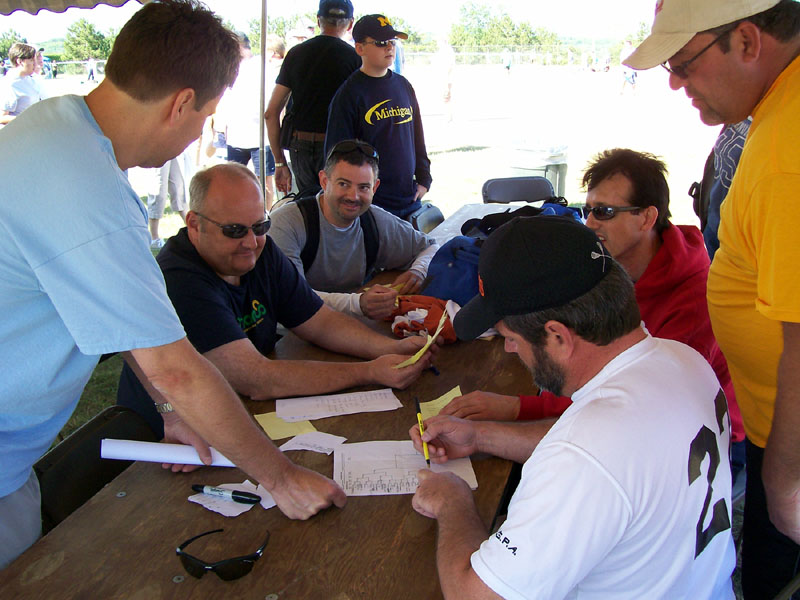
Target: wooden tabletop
<point x="121" y="544"/>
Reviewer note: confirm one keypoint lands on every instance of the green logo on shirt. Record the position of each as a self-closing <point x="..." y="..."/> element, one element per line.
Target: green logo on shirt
<point x="247" y="322"/>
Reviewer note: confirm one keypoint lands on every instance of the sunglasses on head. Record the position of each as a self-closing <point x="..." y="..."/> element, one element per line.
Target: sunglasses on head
<point x="347" y="146"/>
<point x="604" y="213"/>
<point x="382" y="44"/>
<point x="228" y="569"/>
<point x="236" y="230"/>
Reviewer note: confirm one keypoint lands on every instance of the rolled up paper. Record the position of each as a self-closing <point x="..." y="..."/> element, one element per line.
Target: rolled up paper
<point x="177" y="454"/>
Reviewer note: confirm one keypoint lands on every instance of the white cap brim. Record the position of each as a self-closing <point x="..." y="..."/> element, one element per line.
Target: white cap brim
<point x="658" y="48"/>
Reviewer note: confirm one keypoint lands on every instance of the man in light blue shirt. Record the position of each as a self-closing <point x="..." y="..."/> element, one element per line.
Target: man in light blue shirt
<point x="77" y="278"/>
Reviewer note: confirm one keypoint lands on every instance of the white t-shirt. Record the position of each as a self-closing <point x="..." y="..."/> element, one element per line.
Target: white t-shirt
<point x="611" y="502"/>
<point x="18" y="93"/>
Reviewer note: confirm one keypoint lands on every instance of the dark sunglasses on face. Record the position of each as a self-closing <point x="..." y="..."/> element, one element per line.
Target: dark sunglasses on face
<point x="228" y="569"/>
<point x="680" y="71"/>
<point x="605" y="213"/>
<point x="236" y="231"/>
<point x="347" y="146"/>
<point x="381" y="44"/>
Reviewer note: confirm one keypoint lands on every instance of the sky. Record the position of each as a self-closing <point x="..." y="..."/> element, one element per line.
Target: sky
<point x="576" y="18"/>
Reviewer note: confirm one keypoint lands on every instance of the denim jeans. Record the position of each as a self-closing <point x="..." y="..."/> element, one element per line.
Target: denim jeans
<point x="308" y="159"/>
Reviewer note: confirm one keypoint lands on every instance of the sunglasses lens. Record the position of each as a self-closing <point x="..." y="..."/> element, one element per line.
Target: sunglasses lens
<point x="238" y="567"/>
<point x="193" y="566"/>
<point x="261" y="228"/>
<point x="234" y="231"/>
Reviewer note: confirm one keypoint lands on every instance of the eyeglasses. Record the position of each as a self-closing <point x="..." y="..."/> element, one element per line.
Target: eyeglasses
<point x="228" y="569"/>
<point x="346" y="146"/>
<point x="237" y="231"/>
<point x="605" y="213"/>
<point x="382" y="44"/>
<point x="680" y="70"/>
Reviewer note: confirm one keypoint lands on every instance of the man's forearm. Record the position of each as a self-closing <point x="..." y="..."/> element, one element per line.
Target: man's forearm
<point x="337" y="332"/>
<point x="423" y="260"/>
<point x="205" y="401"/>
<point x="460" y="533"/>
<point x="274" y="136"/>
<point x="345" y="302"/>
<point x="512" y="441"/>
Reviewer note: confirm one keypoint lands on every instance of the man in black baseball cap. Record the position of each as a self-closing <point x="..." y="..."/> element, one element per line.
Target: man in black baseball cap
<point x="379" y="106"/>
<point x="335" y="9"/>
<point x="377" y="27"/>
<point x="612" y="498"/>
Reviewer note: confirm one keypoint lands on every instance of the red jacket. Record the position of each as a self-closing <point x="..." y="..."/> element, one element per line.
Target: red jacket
<point x="672" y="299"/>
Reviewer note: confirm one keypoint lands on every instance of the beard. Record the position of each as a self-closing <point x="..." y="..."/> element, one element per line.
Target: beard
<point x="547" y="374"/>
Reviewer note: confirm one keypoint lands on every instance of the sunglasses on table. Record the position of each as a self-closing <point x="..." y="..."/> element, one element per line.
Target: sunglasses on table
<point x="236" y="230"/>
<point x="605" y="213"/>
<point x="680" y="71"/>
<point x="347" y="146"/>
<point x="382" y="44"/>
<point x="227" y="570"/>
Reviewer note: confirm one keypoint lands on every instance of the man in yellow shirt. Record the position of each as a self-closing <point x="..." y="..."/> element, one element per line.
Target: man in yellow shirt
<point x="736" y="59"/>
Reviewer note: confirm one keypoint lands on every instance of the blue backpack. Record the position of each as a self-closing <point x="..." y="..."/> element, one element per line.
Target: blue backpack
<point x="453" y="272"/>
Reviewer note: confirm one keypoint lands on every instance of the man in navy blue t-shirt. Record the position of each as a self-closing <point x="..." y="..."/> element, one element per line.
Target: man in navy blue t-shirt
<point x="231" y="286"/>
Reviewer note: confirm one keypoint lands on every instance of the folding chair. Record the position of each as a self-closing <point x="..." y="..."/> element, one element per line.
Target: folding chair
<point x="426" y="217"/>
<point x="73" y="471"/>
<point x="517" y="189"/>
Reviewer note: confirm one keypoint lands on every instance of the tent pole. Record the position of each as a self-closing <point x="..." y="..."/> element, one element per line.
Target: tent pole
<point x="262" y="106"/>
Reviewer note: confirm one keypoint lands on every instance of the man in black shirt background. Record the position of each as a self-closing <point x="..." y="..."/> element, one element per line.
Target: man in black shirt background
<point x="311" y="73"/>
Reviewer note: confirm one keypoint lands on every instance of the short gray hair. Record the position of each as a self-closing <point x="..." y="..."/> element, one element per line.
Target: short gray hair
<point x="198" y="187"/>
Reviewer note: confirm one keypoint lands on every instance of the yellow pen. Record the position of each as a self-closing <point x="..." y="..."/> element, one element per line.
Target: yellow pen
<point x="421" y="431"/>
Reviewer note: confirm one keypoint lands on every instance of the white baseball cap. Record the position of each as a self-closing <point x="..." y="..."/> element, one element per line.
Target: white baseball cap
<point x="678" y="21"/>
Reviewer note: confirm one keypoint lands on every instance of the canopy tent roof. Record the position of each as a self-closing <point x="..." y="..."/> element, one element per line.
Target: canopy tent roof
<point x="34" y="6"/>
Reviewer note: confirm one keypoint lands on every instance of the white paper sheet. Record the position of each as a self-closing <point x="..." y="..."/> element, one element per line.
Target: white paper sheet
<point x="386" y="468"/>
<point x="230" y="508"/>
<point x="320" y="407"/>
<point x="178" y="454"/>
<point x="316" y="441"/>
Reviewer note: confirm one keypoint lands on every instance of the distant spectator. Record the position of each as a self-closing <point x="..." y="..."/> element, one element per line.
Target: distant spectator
<point x="168" y="180"/>
<point x="310" y="75"/>
<point x="381" y="108"/>
<point x="91" y="65"/>
<point x="239" y="113"/>
<point x="18" y="89"/>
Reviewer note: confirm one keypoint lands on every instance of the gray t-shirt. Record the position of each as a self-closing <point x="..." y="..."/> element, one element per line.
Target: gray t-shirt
<point x="340" y="264"/>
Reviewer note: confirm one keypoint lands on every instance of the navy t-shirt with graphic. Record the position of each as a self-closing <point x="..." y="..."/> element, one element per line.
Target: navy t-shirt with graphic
<point x="214" y="312"/>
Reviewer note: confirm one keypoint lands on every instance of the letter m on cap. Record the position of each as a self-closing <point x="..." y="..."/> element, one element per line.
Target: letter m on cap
<point x="384" y="21"/>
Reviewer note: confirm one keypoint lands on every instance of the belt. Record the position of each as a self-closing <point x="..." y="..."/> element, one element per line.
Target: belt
<point x="309" y="136"/>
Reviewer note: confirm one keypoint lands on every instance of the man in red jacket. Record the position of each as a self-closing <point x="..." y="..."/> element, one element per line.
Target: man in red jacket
<point x="627" y="206"/>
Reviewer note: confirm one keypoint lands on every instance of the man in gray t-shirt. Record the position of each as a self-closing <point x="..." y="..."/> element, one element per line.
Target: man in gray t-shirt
<point x="348" y="182"/>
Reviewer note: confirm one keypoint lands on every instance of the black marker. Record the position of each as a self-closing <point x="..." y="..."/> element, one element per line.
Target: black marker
<point x="235" y="495"/>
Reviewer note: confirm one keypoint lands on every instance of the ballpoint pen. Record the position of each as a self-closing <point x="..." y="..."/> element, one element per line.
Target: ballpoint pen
<point x="421" y="431"/>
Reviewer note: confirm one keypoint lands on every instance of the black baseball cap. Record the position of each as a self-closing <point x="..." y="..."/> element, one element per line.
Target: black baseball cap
<point x="378" y="27"/>
<point x="335" y="9"/>
<point x="530" y="264"/>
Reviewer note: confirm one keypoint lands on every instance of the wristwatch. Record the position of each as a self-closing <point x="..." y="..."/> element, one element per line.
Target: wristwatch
<point x="277" y="164"/>
<point x="165" y="407"/>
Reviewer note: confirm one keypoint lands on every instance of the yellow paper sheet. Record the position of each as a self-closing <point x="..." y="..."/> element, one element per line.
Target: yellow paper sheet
<point x="396" y="287"/>
<point x="424" y="349"/>
<point x="278" y="429"/>
<point x="432" y="408"/>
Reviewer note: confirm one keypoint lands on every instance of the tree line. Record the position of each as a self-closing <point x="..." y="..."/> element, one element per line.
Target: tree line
<point x="81" y="41"/>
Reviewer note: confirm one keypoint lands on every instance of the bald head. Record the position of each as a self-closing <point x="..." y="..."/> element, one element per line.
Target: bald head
<point x="201" y="182"/>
